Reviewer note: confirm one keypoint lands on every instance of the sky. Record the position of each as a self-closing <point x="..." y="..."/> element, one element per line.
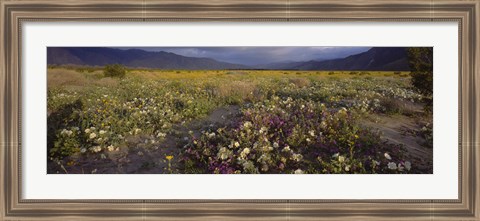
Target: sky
<point x="260" y="55"/>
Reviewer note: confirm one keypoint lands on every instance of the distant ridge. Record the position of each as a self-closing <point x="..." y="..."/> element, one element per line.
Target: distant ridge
<point x="134" y="58"/>
<point x="375" y="59"/>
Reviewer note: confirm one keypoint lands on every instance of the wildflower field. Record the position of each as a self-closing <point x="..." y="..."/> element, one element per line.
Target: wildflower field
<point x="236" y="121"/>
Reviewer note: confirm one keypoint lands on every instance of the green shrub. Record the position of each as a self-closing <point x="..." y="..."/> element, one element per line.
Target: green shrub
<point x="115" y="70"/>
<point x="421" y="66"/>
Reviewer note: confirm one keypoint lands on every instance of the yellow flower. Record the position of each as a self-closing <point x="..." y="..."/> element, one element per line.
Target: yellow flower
<point x="169" y="157"/>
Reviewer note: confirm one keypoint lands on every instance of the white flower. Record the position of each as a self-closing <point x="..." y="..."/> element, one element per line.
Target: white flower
<point x="92" y="135"/>
<point x="245" y="152"/>
<point x="236" y="144"/>
<point x="335" y="155"/>
<point x="286" y="149"/>
<point x="224" y="153"/>
<point x="247" y="124"/>
<point x="137" y="130"/>
<point x="392" y="166"/>
<point x="347" y="168"/>
<point x="102" y="132"/>
<point x="408" y="165"/>
<point x="111" y="148"/>
<point x="67" y="132"/>
<point x="341" y="159"/>
<point x="263" y="130"/>
<point x="308" y="140"/>
<point x="103" y="156"/>
<point x="387" y="156"/>
<point x="211" y="135"/>
<point x="312" y="133"/>
<point x="298" y="171"/>
<point x="96" y="149"/>
<point x="160" y="134"/>
<point x="83" y="150"/>
<point x="140" y="153"/>
<point x="297" y="157"/>
<point x="275" y="144"/>
<point x="87" y="130"/>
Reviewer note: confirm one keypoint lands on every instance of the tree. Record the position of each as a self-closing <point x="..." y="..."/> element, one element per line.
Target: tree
<point x="114" y="70"/>
<point x="421" y="67"/>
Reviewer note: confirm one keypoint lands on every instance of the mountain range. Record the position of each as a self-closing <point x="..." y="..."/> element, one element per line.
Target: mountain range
<point x="375" y="59"/>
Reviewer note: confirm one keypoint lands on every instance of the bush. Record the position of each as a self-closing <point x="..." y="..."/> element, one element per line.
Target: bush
<point x="115" y="70"/>
<point x="421" y="66"/>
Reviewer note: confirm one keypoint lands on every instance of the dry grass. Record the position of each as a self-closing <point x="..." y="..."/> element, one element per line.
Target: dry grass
<point x="237" y="90"/>
<point x="63" y="77"/>
<point x="300" y="82"/>
<point x="107" y="82"/>
<point x="74" y="80"/>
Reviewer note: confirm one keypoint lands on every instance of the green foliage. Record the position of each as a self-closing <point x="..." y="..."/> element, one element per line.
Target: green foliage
<point x="115" y="70"/>
<point x="421" y="65"/>
<point x="67" y="143"/>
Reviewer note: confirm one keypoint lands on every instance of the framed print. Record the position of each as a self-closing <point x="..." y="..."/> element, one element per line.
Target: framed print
<point x="302" y="110"/>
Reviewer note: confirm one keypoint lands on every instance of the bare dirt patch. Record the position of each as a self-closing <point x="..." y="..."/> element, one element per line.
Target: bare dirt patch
<point x="400" y="129"/>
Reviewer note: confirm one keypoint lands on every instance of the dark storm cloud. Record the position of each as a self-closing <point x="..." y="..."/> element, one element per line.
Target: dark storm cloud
<point x="261" y="55"/>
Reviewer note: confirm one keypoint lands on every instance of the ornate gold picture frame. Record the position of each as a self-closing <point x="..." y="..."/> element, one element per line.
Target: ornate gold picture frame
<point x="14" y="13"/>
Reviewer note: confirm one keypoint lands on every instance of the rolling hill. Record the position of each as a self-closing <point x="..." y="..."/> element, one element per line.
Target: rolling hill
<point x="375" y="59"/>
<point x="135" y="58"/>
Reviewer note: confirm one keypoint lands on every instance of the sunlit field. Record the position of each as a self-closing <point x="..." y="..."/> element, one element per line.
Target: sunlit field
<point x="236" y="121"/>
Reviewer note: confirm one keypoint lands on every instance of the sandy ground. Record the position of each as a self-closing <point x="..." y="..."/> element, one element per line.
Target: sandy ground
<point x="399" y="129"/>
